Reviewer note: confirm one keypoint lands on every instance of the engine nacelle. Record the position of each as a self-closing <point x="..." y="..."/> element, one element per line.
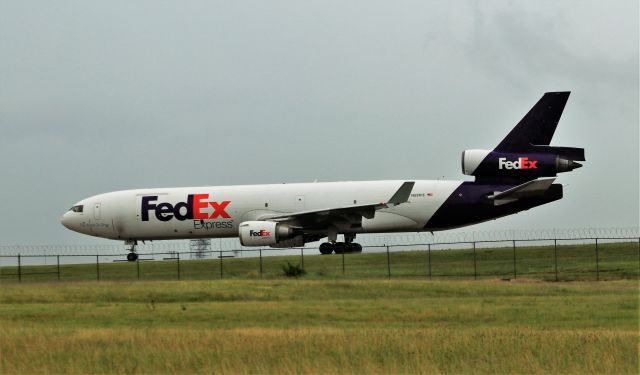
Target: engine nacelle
<point x="295" y="241"/>
<point x="486" y="163"/>
<point x="263" y="233"/>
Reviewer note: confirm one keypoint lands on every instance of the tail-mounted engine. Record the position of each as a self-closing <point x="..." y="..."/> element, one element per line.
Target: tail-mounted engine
<point x="538" y="161"/>
<point x="525" y="153"/>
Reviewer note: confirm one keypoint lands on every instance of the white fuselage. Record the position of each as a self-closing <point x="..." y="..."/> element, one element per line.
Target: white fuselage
<point x="221" y="209"/>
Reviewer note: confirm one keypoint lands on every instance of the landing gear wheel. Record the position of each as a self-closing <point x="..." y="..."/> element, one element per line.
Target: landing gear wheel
<point x="341" y="248"/>
<point x="132" y="256"/>
<point x="326" y="248"/>
<point x="355" y="247"/>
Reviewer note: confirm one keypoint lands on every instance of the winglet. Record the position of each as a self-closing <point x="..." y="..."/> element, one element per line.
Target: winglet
<point x="402" y="195"/>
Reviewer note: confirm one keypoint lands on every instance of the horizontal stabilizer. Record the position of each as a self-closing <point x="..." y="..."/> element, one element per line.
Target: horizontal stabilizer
<point x="568" y="153"/>
<point x="526" y="190"/>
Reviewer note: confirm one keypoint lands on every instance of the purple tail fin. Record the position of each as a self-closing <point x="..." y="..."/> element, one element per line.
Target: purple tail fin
<point x="538" y="125"/>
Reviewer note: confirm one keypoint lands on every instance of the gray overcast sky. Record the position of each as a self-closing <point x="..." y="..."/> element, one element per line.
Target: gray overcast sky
<point x="111" y="95"/>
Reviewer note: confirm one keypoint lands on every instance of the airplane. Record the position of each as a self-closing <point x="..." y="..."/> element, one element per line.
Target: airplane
<point x="517" y="175"/>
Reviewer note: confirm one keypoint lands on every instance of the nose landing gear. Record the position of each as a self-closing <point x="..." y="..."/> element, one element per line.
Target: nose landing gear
<point x="132" y="256"/>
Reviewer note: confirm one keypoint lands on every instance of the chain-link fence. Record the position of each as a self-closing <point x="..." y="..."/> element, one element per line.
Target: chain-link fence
<point x="615" y="255"/>
<point x="232" y="245"/>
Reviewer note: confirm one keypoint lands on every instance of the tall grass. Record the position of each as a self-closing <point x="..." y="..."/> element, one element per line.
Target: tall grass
<point x="317" y="350"/>
<point x="313" y="326"/>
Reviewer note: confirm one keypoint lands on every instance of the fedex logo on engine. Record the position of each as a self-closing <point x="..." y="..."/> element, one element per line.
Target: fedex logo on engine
<point x="195" y="208"/>
<point x="260" y="233"/>
<point x="522" y="163"/>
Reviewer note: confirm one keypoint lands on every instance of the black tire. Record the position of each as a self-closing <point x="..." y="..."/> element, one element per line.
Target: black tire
<point x="348" y="248"/>
<point x="353" y="248"/>
<point x="326" y="248"/>
<point x="341" y="248"/>
<point x="132" y="257"/>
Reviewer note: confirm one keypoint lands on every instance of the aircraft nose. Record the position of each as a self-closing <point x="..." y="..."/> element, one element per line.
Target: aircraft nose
<point x="66" y="220"/>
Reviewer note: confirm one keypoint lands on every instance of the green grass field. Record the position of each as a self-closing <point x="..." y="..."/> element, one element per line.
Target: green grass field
<point x="288" y="326"/>
<point x="343" y="316"/>
<point x="574" y="262"/>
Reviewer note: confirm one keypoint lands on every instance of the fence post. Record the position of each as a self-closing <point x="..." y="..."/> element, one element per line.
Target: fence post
<point x="138" y="267"/>
<point x="429" y="249"/>
<point x="302" y="257"/>
<point x="343" y="263"/>
<point x="597" y="263"/>
<point x="515" y="274"/>
<point x="178" y="259"/>
<point x="58" y="269"/>
<point x="97" y="267"/>
<point x="475" y="269"/>
<point x="260" y="263"/>
<point x="221" y="272"/>
<point x="388" y="263"/>
<point x="19" y="269"/>
<point x="638" y="256"/>
<point x="555" y="255"/>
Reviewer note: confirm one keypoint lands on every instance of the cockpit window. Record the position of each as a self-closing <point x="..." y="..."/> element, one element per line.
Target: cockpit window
<point x="76" y="208"/>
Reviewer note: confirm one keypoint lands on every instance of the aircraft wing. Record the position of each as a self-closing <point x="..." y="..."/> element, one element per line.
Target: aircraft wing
<point x="528" y="189"/>
<point x="350" y="214"/>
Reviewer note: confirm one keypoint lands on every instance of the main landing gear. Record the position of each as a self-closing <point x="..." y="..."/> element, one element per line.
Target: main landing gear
<point x="132" y="256"/>
<point x="327" y="248"/>
<point x="348" y="246"/>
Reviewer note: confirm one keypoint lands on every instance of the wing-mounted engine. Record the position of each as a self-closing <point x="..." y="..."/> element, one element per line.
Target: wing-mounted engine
<point x="274" y="234"/>
<point x="264" y="233"/>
